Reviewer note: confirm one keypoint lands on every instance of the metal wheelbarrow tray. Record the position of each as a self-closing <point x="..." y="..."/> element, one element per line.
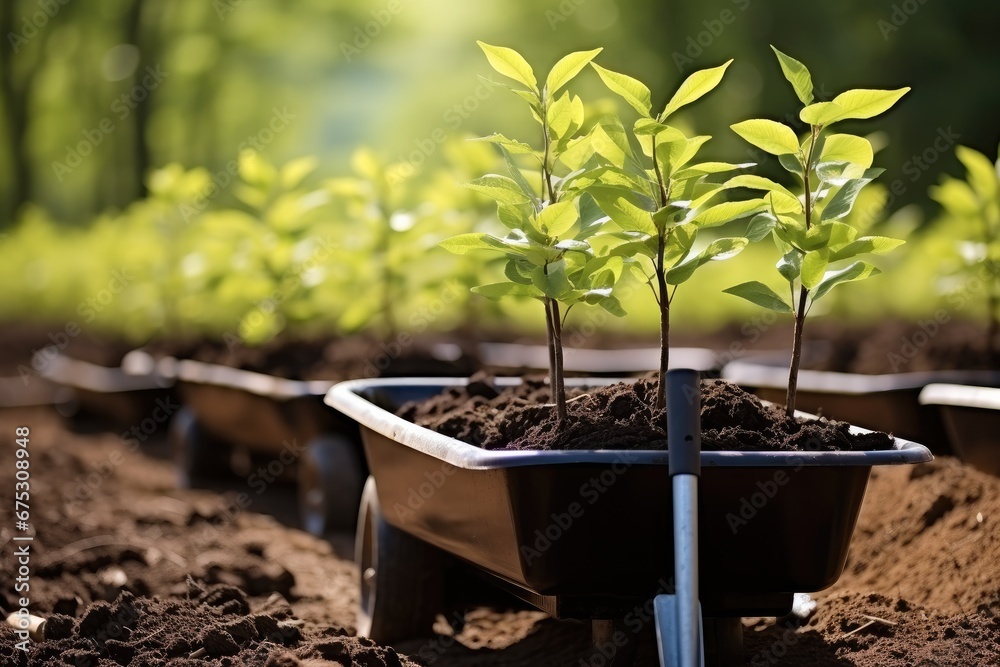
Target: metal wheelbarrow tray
<point x="586" y="534"/>
<point x="972" y="417"/>
<point x="280" y="425"/>
<point x="109" y="392"/>
<point x="886" y="402"/>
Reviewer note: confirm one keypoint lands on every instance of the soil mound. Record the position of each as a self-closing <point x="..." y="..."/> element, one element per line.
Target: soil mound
<point x="929" y="533"/>
<point x="212" y="626"/>
<point x="622" y="416"/>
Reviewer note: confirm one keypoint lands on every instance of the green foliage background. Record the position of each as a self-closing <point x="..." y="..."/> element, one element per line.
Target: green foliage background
<point x="409" y="86"/>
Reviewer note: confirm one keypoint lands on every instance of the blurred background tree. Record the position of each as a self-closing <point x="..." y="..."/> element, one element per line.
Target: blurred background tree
<point x="96" y="93"/>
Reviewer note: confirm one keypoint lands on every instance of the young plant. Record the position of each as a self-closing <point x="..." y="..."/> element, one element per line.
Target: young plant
<point x="819" y="250"/>
<point x="972" y="208"/>
<point x="546" y="250"/>
<point x="660" y="204"/>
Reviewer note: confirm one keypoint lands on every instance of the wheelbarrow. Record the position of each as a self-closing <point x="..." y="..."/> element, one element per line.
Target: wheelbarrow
<point x="588" y="534"/>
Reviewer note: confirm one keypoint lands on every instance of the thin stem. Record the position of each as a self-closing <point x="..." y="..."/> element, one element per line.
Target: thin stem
<point x="546" y="170"/>
<point x="793" y="369"/>
<point x="663" y="299"/>
<point x="556" y="377"/>
<point x="551" y="340"/>
<point x="800" y="314"/>
<point x="664" y="303"/>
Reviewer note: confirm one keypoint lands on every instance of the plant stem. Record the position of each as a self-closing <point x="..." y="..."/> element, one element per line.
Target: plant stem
<point x="664" y="298"/>
<point x="559" y="386"/>
<point x="793" y="369"/>
<point x="664" y="304"/>
<point x="550" y="338"/>
<point x="800" y="314"/>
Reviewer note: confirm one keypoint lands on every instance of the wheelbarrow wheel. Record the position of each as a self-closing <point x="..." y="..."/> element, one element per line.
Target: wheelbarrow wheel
<point x="402" y="578"/>
<point x="330" y="479"/>
<point x="197" y="455"/>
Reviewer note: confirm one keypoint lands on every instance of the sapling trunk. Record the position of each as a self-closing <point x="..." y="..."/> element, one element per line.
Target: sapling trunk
<point x="663" y="299"/>
<point x="793" y="369"/>
<point x="800" y="313"/>
<point x="556" y="377"/>
<point x="664" y="304"/>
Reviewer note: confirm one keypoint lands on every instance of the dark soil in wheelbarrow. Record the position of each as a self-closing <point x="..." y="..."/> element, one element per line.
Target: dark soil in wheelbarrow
<point x="623" y="416"/>
<point x="129" y="570"/>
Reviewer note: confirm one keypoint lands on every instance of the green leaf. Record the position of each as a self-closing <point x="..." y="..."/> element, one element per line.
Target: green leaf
<point x="755" y="182"/>
<point x="848" y="148"/>
<point x="513" y="273"/>
<point x="518" y="177"/>
<point x="512" y="145"/>
<point x="760" y="226"/>
<point x="828" y="234"/>
<point x="856" y="271"/>
<point x="717" y="250"/>
<point x="512" y="217"/>
<point x="501" y="188"/>
<point x="956" y="196"/>
<point x="673" y="155"/>
<point x="768" y="135"/>
<point x="790" y="265"/>
<point x="567" y="68"/>
<point x="613" y="306"/>
<point x="842" y="202"/>
<point x="557" y="219"/>
<point x="648" y="127"/>
<point x="706" y="168"/>
<point x="728" y="211"/>
<point x="821" y="113"/>
<point x="866" y="103"/>
<point x="561" y="117"/>
<point x="797" y="75"/>
<point x="627" y="216"/>
<point x="694" y="87"/>
<point x="866" y="245"/>
<point x="497" y="291"/>
<point x="464" y="243"/>
<point x="982" y="174"/>
<point x="760" y="294"/>
<point x="813" y="268"/>
<point x="294" y="172"/>
<point x="510" y="63"/>
<point x="631" y="90"/>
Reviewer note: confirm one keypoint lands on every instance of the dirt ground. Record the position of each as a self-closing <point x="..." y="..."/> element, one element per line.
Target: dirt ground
<point x="130" y="570"/>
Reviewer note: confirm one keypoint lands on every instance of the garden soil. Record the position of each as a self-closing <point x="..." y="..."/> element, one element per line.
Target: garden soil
<point x="622" y="416"/>
<point x="130" y="570"/>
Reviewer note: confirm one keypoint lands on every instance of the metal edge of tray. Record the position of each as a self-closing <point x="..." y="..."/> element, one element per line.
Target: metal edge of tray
<point x="203" y="373"/>
<point x="583" y="360"/>
<point x="86" y="376"/>
<point x="348" y="397"/>
<point x="771" y="371"/>
<point x="960" y="395"/>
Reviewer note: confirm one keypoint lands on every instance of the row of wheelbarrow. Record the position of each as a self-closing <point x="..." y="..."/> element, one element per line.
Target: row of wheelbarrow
<point x="604" y="565"/>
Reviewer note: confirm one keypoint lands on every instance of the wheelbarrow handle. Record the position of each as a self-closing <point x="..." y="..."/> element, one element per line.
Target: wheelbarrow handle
<point x="684" y="421"/>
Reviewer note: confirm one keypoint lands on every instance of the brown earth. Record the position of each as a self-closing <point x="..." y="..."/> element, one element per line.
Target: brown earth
<point x="119" y="550"/>
<point x="622" y="416"/>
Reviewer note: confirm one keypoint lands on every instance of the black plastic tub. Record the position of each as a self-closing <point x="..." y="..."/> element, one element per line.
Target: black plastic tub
<point x="972" y="417"/>
<point x="109" y="392"/>
<point x="587" y="534"/>
<point x="886" y="403"/>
